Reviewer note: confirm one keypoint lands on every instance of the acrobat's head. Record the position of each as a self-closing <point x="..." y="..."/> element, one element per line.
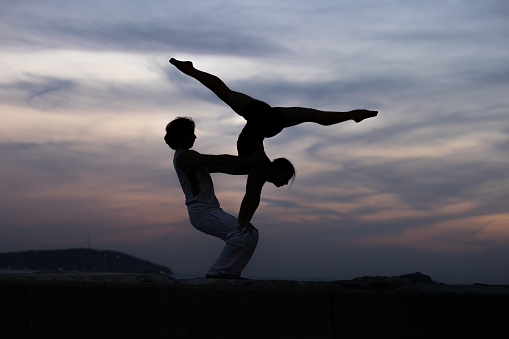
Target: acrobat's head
<point x="180" y="133"/>
<point x="281" y="172"/>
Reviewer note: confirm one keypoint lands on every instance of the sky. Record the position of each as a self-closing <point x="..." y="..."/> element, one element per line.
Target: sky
<point x="86" y="91"/>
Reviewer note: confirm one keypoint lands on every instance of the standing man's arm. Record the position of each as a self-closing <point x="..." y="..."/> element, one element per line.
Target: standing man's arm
<point x="190" y="159"/>
<point x="224" y="163"/>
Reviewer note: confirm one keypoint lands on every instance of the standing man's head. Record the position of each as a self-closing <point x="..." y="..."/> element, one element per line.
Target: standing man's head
<point x="180" y="133"/>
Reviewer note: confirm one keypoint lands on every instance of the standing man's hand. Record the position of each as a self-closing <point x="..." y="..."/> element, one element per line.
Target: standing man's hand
<point x="245" y="227"/>
<point x="259" y="160"/>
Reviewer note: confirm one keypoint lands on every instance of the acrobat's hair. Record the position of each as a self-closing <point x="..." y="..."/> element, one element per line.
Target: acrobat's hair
<point x="286" y="166"/>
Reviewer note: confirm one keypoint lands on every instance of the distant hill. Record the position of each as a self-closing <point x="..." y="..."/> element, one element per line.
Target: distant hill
<point x="80" y="259"/>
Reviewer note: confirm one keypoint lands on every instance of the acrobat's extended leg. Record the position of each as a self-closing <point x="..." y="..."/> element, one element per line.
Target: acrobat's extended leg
<point x="236" y="100"/>
<point x="291" y="115"/>
<point x="296" y="115"/>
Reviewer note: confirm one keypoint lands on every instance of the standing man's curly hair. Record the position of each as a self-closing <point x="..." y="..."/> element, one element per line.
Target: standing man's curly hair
<point x="175" y="130"/>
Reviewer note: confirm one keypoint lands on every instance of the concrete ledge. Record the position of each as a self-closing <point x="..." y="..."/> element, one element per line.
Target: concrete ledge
<point x="154" y="306"/>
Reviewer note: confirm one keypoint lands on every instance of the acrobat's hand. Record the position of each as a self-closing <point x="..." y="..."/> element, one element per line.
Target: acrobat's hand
<point x="245" y="227"/>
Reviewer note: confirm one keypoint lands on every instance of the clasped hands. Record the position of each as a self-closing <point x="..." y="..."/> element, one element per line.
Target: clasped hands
<point x="245" y="227"/>
<point x="259" y="160"/>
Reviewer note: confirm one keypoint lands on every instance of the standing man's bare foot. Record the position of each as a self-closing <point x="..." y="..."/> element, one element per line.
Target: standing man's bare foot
<point x="361" y="114"/>
<point x="184" y="66"/>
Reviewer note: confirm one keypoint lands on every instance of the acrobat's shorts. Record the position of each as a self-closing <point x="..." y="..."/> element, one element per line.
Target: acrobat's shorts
<point x="263" y="121"/>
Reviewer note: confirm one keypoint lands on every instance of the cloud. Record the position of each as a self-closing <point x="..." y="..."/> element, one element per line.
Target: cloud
<point x="475" y="231"/>
<point x="49" y="90"/>
<point x="112" y="26"/>
<point x="66" y="94"/>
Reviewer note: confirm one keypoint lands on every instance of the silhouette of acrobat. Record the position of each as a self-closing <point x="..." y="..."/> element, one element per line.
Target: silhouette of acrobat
<point x="264" y="121"/>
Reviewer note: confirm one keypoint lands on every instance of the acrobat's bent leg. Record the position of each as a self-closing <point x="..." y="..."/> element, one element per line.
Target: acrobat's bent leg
<point x="296" y="115"/>
<point x="236" y="100"/>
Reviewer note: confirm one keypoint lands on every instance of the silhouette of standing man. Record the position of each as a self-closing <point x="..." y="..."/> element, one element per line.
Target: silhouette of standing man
<point x="203" y="207"/>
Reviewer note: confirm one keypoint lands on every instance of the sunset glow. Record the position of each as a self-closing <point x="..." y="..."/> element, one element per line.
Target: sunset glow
<point x="86" y="91"/>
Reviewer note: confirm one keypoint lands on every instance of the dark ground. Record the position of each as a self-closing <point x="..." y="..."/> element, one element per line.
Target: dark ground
<point x="147" y="305"/>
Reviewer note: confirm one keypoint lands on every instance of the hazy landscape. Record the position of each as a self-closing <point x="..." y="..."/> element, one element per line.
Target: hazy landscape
<point x="77" y="260"/>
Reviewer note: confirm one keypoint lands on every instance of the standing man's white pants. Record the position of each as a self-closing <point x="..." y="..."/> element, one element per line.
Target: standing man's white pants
<point x="238" y="249"/>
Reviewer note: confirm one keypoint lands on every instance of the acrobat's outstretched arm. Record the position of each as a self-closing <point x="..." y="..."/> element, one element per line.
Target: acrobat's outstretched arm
<point x="251" y="200"/>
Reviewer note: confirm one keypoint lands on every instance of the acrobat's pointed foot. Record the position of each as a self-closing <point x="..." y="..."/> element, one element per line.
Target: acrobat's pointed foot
<point x="362" y="114"/>
<point x="183" y="66"/>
